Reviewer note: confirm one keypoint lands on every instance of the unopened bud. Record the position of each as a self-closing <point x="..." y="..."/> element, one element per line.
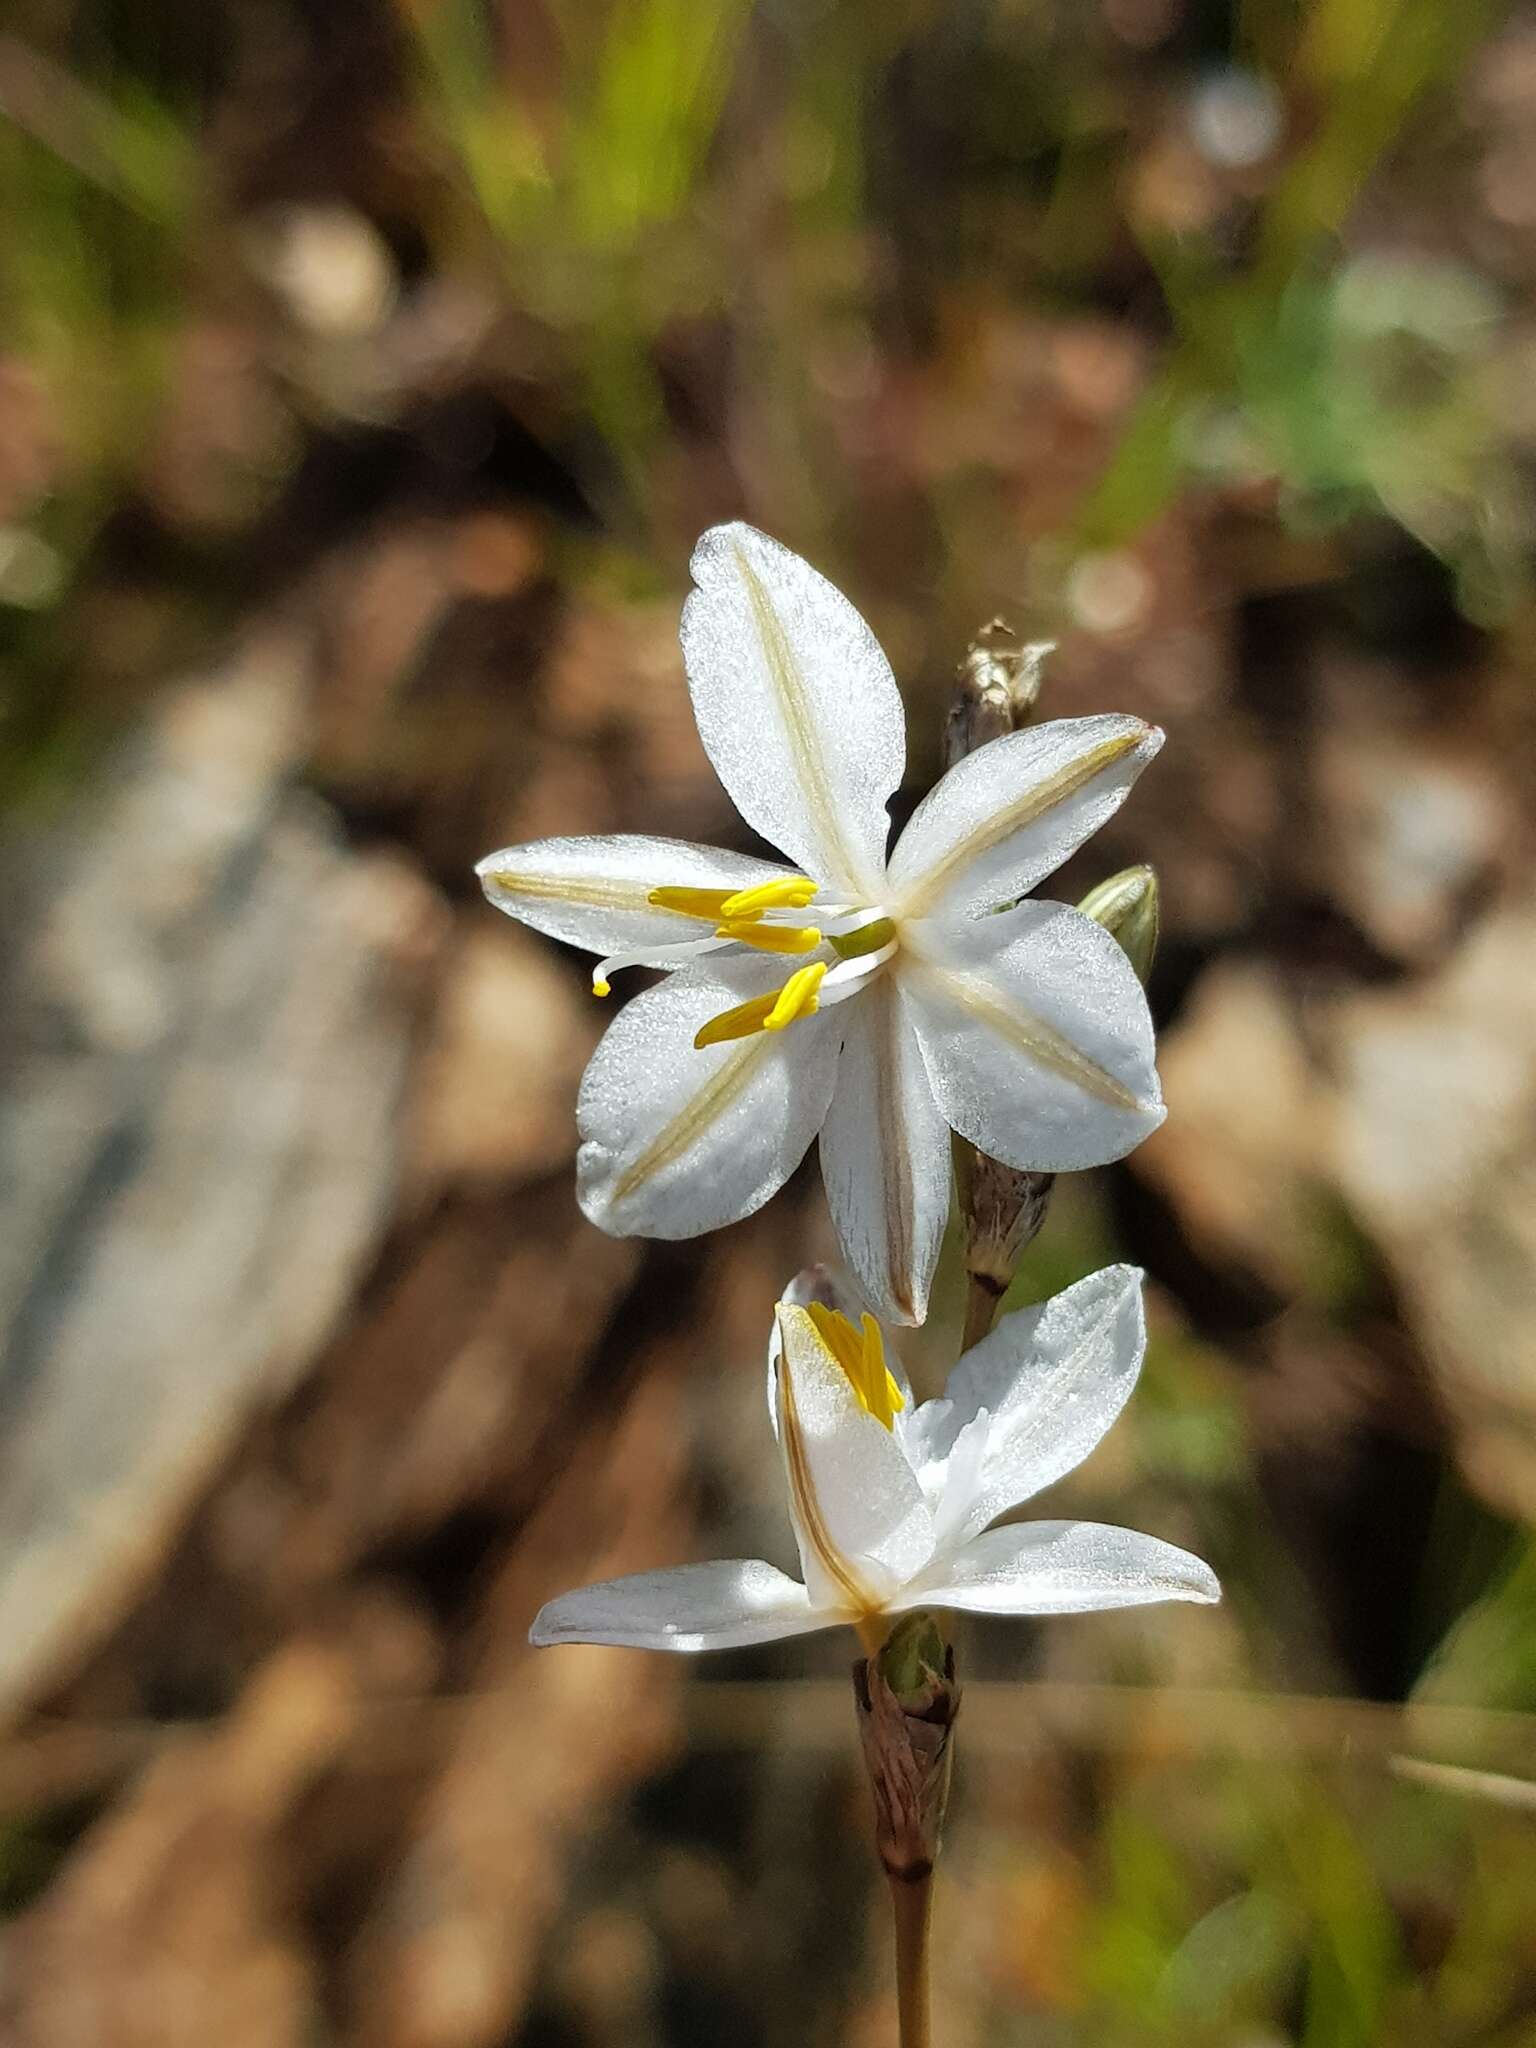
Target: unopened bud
<point x="907" y="1699"/>
<point x="915" y="1660"/>
<point x="1127" y="907"/>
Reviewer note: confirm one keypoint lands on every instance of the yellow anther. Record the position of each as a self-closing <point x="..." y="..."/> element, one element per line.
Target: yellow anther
<point x="706" y="903"/>
<point x="798" y="997"/>
<point x="771" y="938"/>
<point x="600" y="987"/>
<point x="741" y="1022"/>
<point x="793" y="892"/>
<point x="773" y="1012"/>
<point x="861" y="1354"/>
<point x="740" y="906"/>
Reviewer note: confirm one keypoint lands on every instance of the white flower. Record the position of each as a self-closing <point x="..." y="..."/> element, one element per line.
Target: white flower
<point x="891" y="1505"/>
<point x="877" y="1002"/>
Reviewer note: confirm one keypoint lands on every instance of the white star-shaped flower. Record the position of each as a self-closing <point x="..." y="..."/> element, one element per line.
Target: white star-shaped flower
<point x="891" y="1504"/>
<point x="877" y="1002"/>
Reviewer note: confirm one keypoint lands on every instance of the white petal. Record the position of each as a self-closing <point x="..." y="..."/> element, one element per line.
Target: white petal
<point x="796" y="706"/>
<point x="1031" y="1400"/>
<point x="717" y="1606"/>
<point x="953" y="1482"/>
<point x="1061" y="1568"/>
<point x="677" y="1140"/>
<point x="860" y="1519"/>
<point x="1008" y="815"/>
<point x="593" y="892"/>
<point x="885" y="1156"/>
<point x="1036" y="1034"/>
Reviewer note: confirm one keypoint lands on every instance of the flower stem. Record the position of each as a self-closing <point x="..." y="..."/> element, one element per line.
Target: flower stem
<point x="1001" y="1209"/>
<point x="906" y="1697"/>
<point x="912" y="1907"/>
<point x="982" y="1301"/>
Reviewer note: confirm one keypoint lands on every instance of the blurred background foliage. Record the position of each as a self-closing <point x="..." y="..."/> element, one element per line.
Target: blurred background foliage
<point x="366" y="372"/>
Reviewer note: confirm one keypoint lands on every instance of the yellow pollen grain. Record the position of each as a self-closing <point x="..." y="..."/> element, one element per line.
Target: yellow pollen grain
<point x="861" y="1354"/>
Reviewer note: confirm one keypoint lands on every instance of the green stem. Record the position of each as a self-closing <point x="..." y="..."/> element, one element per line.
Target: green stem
<point x="911" y="1904"/>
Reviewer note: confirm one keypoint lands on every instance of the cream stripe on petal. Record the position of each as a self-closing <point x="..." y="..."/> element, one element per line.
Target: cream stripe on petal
<point x="594" y="890"/>
<point x="1035" y="1033"/>
<point x="920" y="895"/>
<point x="885" y="1156"/>
<point x="796" y="705"/>
<point x="696" y="1119"/>
<point x="856" y="1596"/>
<point x="593" y="894"/>
<point x="1029" y="1035"/>
<point x="861" y="1521"/>
<point x="891" y="1123"/>
<point x="799" y="724"/>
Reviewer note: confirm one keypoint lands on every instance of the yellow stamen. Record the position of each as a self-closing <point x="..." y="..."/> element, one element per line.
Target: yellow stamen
<point x="708" y="904"/>
<point x="792" y="892"/>
<point x="741" y="1022"/>
<point x="773" y="1012"/>
<point x="738" y="906"/>
<point x="798" y="997"/>
<point x="600" y="987"/>
<point x="771" y="938"/>
<point x="861" y="1354"/>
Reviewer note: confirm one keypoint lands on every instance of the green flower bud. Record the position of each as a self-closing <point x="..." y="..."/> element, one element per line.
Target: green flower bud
<point x="1127" y="907"/>
<point x="915" y="1660"/>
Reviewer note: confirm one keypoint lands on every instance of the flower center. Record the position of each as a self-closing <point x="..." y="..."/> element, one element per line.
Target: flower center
<point x="766" y="919"/>
<point x="861" y="1354"/>
<point x="762" y="917"/>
